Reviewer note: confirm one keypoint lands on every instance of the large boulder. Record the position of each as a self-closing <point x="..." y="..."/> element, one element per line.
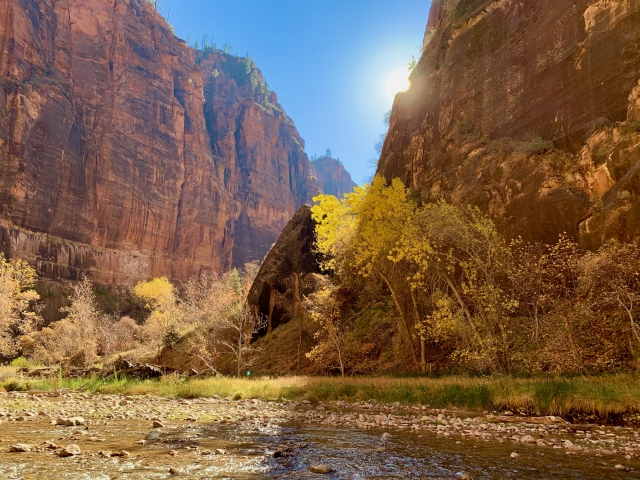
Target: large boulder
<point x="290" y="264"/>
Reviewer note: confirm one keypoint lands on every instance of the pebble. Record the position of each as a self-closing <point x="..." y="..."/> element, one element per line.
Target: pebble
<point x="527" y="439"/>
<point x="620" y="467"/>
<point x="514" y="455"/>
<point x="158" y="424"/>
<point x="321" y="468"/>
<point x="20" y="447"/>
<point x="70" y="451"/>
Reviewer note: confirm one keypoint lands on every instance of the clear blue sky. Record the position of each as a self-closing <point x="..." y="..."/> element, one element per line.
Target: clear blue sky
<point x="330" y="62"/>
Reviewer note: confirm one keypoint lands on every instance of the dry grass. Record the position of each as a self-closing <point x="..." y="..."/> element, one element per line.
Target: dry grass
<point x="7" y="373"/>
<point x="602" y="396"/>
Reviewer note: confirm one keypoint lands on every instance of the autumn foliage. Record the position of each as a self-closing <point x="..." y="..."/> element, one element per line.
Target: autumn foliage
<point x="468" y="300"/>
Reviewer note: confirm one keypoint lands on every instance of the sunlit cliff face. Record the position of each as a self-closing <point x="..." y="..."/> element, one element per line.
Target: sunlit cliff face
<point x="398" y="82"/>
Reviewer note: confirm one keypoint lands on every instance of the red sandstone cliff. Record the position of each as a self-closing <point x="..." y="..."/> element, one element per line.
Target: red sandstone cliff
<point x="332" y="177"/>
<point x="109" y="166"/>
<point x="258" y="149"/>
<point x="529" y="110"/>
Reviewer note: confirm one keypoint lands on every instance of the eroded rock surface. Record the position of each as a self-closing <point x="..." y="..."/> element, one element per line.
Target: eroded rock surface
<point x="528" y="110"/>
<point x="122" y="159"/>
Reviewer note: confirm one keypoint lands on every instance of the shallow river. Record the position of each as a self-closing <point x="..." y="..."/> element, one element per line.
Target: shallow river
<point x="244" y="449"/>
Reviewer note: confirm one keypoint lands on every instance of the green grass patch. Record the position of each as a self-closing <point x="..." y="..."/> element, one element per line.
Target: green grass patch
<point x="22" y="362"/>
<point x="603" y="396"/>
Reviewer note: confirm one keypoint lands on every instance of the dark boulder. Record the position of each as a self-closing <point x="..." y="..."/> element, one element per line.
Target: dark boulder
<point x="290" y="264"/>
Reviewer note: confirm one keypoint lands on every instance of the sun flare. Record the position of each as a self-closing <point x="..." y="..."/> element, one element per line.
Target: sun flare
<point x="398" y="82"/>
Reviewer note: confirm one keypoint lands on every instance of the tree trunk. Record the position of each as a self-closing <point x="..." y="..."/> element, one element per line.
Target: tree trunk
<point x="402" y="315"/>
<point x="466" y="311"/>
<point x="423" y="362"/>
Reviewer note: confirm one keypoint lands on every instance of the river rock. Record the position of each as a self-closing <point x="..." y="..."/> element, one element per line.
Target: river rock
<point x="153" y="436"/>
<point x="321" y="468"/>
<point x="527" y="439"/>
<point x="20" y="447"/>
<point x="514" y="455"/>
<point x="70" y="451"/>
<point x="69" y="422"/>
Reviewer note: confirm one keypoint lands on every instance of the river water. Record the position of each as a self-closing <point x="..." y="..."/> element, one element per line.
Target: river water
<point x="244" y="449"/>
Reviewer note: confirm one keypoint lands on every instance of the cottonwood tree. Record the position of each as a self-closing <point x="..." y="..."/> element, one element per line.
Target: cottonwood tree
<point x="17" y="302"/>
<point x="235" y="324"/>
<point x="358" y="233"/>
<point x="235" y="332"/>
<point x="159" y="297"/>
<point x="462" y="247"/>
<point x="83" y="317"/>
<point x="329" y="310"/>
<point x="611" y="280"/>
<point x="220" y="323"/>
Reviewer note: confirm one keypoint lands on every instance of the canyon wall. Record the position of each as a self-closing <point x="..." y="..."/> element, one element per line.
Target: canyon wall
<point x="122" y="159"/>
<point x="260" y="153"/>
<point x="529" y="110"/>
<point x="332" y="177"/>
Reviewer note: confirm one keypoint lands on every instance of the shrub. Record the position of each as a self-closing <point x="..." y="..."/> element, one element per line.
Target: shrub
<point x="22" y="362"/>
<point x="631" y="127"/>
<point x="602" y="122"/>
<point x="17" y="302"/>
<point x="538" y="146"/>
<point x="600" y="156"/>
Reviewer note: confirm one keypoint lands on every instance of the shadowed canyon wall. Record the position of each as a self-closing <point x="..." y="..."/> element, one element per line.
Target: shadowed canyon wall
<point x="530" y="111"/>
<point x="123" y="160"/>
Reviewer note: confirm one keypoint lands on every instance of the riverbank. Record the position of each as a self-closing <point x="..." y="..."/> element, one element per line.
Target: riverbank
<point x="614" y="398"/>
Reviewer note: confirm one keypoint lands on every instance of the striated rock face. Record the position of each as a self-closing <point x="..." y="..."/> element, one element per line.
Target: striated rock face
<point x="332" y="177"/>
<point x="527" y="110"/>
<point x="114" y="164"/>
<point x="290" y="268"/>
<point x="258" y="151"/>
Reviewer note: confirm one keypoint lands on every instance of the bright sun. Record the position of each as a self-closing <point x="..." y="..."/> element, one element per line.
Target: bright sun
<point x="398" y="82"/>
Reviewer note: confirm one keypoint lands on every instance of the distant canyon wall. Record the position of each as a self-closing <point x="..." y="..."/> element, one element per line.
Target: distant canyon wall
<point x="332" y="177"/>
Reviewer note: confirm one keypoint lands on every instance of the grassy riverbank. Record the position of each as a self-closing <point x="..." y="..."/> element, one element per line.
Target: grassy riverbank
<point x="603" y="396"/>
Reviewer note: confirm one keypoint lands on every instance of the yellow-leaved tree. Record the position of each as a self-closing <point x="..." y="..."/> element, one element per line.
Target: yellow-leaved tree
<point x="17" y="299"/>
<point x="359" y="233"/>
<point x="456" y="252"/>
<point x="159" y="296"/>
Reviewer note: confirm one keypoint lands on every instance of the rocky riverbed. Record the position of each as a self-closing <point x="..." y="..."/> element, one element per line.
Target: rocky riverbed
<point x="67" y="434"/>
